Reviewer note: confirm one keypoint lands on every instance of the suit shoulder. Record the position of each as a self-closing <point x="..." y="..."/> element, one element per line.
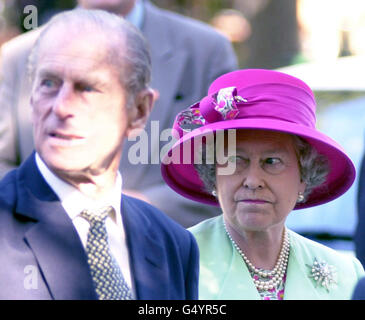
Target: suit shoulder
<point x="207" y="229"/>
<point x="162" y="228"/>
<point x="154" y="215"/>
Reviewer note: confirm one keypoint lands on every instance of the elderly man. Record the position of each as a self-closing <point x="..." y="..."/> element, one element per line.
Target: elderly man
<point x="187" y="56"/>
<point x="66" y="232"/>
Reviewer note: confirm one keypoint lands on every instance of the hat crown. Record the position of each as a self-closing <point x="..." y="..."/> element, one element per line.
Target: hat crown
<point x="251" y="77"/>
<point x="271" y="94"/>
<point x="255" y="94"/>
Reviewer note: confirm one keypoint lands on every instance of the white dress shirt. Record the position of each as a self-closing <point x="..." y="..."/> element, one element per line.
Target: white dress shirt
<point x="73" y="201"/>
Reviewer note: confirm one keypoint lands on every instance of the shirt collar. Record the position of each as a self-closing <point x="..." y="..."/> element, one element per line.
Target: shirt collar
<point x="74" y="201"/>
<point x="135" y="16"/>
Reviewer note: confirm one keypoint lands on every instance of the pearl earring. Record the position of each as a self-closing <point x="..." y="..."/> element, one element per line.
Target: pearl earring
<point x="300" y="197"/>
<point x="214" y="193"/>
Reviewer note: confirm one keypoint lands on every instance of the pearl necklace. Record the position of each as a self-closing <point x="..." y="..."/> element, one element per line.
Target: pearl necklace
<point x="277" y="273"/>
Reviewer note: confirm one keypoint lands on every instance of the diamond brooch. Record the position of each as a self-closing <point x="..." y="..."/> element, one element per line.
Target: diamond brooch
<point x="322" y="273"/>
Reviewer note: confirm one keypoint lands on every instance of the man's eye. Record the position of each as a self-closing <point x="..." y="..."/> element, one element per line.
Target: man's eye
<point x="48" y="83"/>
<point x="84" y="88"/>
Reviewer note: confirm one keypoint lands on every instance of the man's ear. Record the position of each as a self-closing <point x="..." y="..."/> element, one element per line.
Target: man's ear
<point x="140" y="111"/>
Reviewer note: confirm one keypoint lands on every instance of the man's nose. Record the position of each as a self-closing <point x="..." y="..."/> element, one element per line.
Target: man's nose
<point x="63" y="104"/>
<point x="253" y="178"/>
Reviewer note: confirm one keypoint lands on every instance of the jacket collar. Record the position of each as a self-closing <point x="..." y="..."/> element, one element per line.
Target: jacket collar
<point x="148" y="260"/>
<point x="52" y="237"/>
<point x="59" y="251"/>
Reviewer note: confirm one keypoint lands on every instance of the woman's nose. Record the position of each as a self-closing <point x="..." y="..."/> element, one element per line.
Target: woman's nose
<point x="253" y="178"/>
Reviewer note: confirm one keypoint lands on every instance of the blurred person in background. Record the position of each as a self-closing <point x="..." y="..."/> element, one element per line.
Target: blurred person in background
<point x="186" y="56"/>
<point x="8" y="26"/>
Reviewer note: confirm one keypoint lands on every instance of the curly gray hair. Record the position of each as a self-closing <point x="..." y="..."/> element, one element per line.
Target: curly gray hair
<point x="314" y="167"/>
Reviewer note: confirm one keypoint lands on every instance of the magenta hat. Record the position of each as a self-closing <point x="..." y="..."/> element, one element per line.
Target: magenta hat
<point x="261" y="100"/>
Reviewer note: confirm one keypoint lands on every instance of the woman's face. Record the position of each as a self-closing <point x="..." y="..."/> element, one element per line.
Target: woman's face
<point x="264" y="188"/>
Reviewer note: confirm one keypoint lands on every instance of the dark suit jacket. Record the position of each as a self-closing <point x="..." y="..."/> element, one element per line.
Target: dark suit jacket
<point x="187" y="55"/>
<point x="42" y="257"/>
<point x="359" y="292"/>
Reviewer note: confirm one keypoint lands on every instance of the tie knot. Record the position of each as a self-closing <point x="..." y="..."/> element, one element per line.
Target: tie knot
<point x="98" y="216"/>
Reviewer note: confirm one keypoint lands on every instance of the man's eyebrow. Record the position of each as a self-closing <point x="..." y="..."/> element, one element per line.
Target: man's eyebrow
<point x="45" y="73"/>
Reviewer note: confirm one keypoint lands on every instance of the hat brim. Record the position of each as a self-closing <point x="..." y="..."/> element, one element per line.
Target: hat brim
<point x="184" y="179"/>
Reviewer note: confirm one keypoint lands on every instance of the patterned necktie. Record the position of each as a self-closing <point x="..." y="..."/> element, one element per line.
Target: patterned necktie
<point x="108" y="279"/>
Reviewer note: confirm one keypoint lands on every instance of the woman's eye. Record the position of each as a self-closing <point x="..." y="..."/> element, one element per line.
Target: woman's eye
<point x="234" y="159"/>
<point x="239" y="162"/>
<point x="273" y="161"/>
<point x="273" y="165"/>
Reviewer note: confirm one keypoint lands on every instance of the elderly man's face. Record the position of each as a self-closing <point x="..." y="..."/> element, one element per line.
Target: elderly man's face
<point x="79" y="106"/>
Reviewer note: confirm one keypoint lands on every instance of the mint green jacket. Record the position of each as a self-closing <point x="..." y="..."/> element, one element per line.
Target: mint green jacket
<point x="224" y="275"/>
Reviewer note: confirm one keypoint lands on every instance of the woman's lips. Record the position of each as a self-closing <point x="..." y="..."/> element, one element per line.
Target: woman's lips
<point x="254" y="201"/>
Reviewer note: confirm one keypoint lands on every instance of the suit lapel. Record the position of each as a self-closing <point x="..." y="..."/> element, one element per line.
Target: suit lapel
<point x="52" y="237"/>
<point x="147" y="256"/>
